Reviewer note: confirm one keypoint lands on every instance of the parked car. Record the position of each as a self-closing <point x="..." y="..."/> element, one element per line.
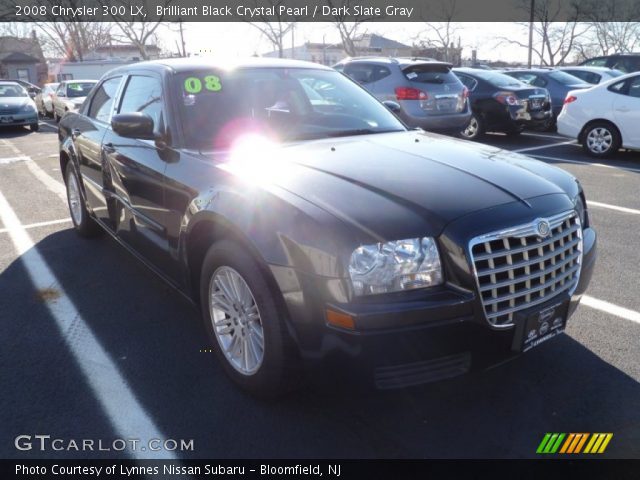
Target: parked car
<point x="31" y="89"/>
<point x="429" y="94"/>
<point x="44" y="99"/>
<point x="625" y="62"/>
<point x="592" y="75"/>
<point x="324" y="233"/>
<point x="70" y="95"/>
<point x="500" y="103"/>
<point x="16" y="107"/>
<point x="556" y="82"/>
<point x="605" y="117"/>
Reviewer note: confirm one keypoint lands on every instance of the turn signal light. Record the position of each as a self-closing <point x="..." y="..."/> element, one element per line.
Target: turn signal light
<point x="410" y="93"/>
<point x="341" y="320"/>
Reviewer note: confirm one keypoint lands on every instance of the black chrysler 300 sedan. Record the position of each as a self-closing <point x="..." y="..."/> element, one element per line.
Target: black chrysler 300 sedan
<point x="310" y="224"/>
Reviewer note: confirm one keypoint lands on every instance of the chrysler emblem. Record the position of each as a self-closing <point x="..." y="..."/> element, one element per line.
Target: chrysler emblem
<point x="542" y="227"/>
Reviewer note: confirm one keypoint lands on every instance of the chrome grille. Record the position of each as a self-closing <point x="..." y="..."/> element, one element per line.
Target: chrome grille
<point x="9" y="110"/>
<point x="516" y="269"/>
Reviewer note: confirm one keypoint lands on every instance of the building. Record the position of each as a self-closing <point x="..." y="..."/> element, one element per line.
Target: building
<point x="122" y="52"/>
<point x="332" y="53"/>
<point x="22" y="59"/>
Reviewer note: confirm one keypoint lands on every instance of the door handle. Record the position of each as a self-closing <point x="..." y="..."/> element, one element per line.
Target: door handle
<point x="623" y="109"/>
<point x="76" y="132"/>
<point x="108" y="147"/>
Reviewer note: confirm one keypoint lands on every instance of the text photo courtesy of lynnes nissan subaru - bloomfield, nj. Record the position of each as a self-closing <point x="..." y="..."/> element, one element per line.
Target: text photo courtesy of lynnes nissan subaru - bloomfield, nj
<point x="290" y="239"/>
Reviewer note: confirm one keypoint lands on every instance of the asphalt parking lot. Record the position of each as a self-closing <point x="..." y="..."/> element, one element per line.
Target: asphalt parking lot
<point x="149" y="373"/>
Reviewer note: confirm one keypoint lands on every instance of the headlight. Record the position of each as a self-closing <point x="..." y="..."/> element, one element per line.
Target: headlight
<point x="28" y="108"/>
<point x="395" y="266"/>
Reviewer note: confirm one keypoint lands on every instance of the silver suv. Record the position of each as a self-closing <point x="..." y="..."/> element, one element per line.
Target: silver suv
<point x="428" y="92"/>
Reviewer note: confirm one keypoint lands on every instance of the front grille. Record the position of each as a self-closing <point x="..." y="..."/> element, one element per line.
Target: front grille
<point x="9" y="111"/>
<point x="516" y="268"/>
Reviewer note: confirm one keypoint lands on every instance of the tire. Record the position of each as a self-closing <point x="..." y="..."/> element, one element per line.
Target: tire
<point x="34" y="127"/>
<point x="267" y="376"/>
<point x="601" y="139"/>
<point x="83" y="224"/>
<point x="474" y="129"/>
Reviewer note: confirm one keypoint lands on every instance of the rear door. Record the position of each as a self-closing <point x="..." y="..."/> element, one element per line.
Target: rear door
<point x="137" y="171"/>
<point x="88" y="132"/>
<point x="626" y="110"/>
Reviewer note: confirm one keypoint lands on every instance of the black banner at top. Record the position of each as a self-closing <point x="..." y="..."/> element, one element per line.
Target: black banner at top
<point x="319" y="10"/>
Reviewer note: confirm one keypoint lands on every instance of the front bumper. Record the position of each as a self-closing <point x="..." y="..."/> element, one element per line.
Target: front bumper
<point x="412" y="338"/>
<point x="18" y="119"/>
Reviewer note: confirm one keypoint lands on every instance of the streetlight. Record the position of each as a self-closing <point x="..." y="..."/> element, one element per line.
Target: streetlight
<point x="531" y="18"/>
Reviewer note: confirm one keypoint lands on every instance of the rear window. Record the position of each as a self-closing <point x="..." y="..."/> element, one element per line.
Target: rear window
<point x="426" y="73"/>
<point x="79" y="89"/>
<point x="499" y="80"/>
<point x="565" y="78"/>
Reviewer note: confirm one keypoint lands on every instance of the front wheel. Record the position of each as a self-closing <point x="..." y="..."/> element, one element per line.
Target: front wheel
<point x="601" y="139"/>
<point x="34" y="127"/>
<point x="474" y="129"/>
<point x="84" y="225"/>
<point x="245" y="322"/>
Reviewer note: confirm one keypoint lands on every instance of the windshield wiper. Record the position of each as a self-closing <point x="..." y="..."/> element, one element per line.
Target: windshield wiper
<point x="358" y="131"/>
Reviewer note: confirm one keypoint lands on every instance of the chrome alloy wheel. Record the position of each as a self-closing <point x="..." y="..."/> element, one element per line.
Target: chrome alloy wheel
<point x="472" y="128"/>
<point x="236" y="320"/>
<point x="75" y="200"/>
<point x="599" y="140"/>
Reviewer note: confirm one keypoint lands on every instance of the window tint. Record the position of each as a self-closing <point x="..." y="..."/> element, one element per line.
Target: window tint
<point x="143" y="94"/>
<point x="79" y="89"/>
<point x="596" y="62"/>
<point x="626" y="64"/>
<point x="102" y="101"/>
<point x="634" y="87"/>
<point x="588" y="77"/>
<point x="564" y="78"/>
<point x="499" y="80"/>
<point x="366" y="72"/>
<point x="525" y="77"/>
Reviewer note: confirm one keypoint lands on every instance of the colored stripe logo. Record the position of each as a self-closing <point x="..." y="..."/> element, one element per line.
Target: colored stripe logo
<point x="574" y="443"/>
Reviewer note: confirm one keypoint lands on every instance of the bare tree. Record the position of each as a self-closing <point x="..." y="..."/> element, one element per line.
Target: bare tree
<point x="555" y="40"/>
<point x="273" y="31"/>
<point x="350" y="27"/>
<point x="441" y="35"/>
<point x="135" y="30"/>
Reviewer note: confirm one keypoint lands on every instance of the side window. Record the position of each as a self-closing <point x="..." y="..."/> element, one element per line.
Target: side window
<point x="467" y="81"/>
<point x="143" y="94"/>
<point x="379" y="72"/>
<point x="102" y="101"/>
<point x="618" y="87"/>
<point x="596" y="62"/>
<point x="634" y="87"/>
<point x="524" y="77"/>
<point x="62" y="90"/>
<point x="362" y="73"/>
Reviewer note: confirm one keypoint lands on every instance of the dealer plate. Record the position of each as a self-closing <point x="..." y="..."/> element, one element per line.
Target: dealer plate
<point x="537" y="325"/>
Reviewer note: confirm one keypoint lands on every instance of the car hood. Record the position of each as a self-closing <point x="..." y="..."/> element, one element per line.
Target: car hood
<point x="14" y="101"/>
<point x="384" y="183"/>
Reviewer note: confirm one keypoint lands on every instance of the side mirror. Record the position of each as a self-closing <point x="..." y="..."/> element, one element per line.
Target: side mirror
<point x="393" y="106"/>
<point x="133" y="125"/>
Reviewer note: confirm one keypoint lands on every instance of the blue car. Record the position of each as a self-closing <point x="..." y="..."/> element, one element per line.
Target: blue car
<point x="16" y="107"/>
<point x="558" y="84"/>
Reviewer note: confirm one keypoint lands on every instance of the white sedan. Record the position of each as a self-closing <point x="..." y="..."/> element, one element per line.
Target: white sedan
<point x="604" y="118"/>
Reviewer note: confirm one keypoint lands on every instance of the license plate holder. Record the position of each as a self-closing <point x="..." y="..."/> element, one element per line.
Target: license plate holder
<point x="539" y="324"/>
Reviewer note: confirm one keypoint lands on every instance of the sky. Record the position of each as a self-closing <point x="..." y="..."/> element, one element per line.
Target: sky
<point x="242" y="39"/>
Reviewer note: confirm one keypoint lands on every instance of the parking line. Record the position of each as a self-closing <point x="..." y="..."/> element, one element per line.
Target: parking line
<point x="557" y="144"/>
<point x="40" y="224"/>
<point x="48" y="125"/>
<point x="542" y="135"/>
<point x="582" y="162"/>
<point x="607" y="307"/>
<point x="613" y="207"/>
<point x="110" y="388"/>
<point x="52" y="184"/>
<point x="8" y="160"/>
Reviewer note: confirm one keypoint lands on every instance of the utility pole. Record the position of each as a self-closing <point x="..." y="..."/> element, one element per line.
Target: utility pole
<point x="184" y="48"/>
<point x="531" y="19"/>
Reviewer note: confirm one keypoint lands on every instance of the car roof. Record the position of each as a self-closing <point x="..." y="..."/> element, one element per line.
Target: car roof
<point x="195" y="63"/>
<point x="10" y="83"/>
<point x="586" y="68"/>
<point x="403" y="61"/>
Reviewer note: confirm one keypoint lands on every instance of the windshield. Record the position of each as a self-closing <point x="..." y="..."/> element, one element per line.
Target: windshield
<point x="284" y="104"/>
<point x="12" y="90"/>
<point x="79" y="89"/>
<point x="565" y="78"/>
<point x="499" y="80"/>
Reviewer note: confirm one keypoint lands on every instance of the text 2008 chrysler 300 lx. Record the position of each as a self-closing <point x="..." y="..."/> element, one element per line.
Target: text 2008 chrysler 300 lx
<point x="310" y="224"/>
